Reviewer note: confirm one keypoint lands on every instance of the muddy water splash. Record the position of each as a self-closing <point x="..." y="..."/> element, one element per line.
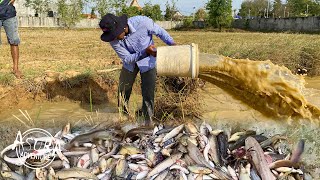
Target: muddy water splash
<point x="271" y="89"/>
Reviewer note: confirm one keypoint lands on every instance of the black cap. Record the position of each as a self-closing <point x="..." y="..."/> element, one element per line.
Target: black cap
<point x="112" y="26"/>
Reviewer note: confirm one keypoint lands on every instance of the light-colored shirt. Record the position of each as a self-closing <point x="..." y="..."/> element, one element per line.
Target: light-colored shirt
<point x="132" y="49"/>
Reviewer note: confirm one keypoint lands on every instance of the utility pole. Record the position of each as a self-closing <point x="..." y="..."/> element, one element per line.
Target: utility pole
<point x="194" y="13"/>
<point x="249" y="14"/>
<point x="284" y="12"/>
<point x="307" y="9"/>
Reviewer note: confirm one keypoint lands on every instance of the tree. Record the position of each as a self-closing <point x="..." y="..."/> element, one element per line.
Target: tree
<point x="152" y="11"/>
<point x="40" y="6"/>
<point x="201" y="14"/>
<point x="188" y="22"/>
<point x="170" y="10"/>
<point x="303" y="7"/>
<point x="245" y="10"/>
<point x="103" y="7"/>
<point x="116" y="7"/>
<point x="297" y="7"/>
<point x="254" y="8"/>
<point x="131" y="11"/>
<point x="119" y="6"/>
<point x="277" y="8"/>
<point x="314" y="8"/>
<point x="70" y="12"/>
<point x="220" y="13"/>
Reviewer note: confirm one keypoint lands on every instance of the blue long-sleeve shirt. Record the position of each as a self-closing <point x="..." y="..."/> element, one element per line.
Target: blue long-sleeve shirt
<point x="132" y="49"/>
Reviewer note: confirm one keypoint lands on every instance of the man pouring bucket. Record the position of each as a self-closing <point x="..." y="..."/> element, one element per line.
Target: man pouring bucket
<point x="132" y="40"/>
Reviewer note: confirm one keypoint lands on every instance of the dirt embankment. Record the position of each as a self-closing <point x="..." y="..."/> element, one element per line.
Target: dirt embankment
<point x="176" y="98"/>
<point x="54" y="86"/>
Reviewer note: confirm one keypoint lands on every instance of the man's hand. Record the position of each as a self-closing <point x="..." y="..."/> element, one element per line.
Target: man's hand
<point x="151" y="51"/>
<point x="11" y="1"/>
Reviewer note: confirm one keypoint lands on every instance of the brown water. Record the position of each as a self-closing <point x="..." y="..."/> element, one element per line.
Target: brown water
<point x="55" y="114"/>
<point x="271" y="89"/>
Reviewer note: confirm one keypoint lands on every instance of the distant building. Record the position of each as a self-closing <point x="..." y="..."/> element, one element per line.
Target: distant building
<point x="22" y="10"/>
<point x="89" y="16"/>
<point x="177" y="16"/>
<point x="135" y="3"/>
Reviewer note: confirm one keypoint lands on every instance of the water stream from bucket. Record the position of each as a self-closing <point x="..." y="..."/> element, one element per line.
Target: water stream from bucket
<point x="271" y="89"/>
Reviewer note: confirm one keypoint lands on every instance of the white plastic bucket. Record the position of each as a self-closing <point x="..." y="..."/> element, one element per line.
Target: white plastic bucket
<point x="179" y="61"/>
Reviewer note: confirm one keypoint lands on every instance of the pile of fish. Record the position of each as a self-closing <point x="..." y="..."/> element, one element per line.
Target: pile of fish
<point x="184" y="152"/>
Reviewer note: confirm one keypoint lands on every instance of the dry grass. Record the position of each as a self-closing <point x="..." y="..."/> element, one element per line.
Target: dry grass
<point x="177" y="98"/>
<point x="58" y="50"/>
<point x="82" y="50"/>
<point x="290" y="50"/>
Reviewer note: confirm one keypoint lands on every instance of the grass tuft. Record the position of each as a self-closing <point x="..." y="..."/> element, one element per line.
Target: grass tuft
<point x="177" y="98"/>
<point x="6" y="79"/>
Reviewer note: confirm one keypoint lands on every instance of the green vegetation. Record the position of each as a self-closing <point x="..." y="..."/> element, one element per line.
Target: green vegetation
<point x="6" y="79"/>
<point x="304" y="7"/>
<point x="255" y="8"/>
<point x="170" y="10"/>
<point x="292" y="8"/>
<point x="102" y="7"/>
<point x="201" y="14"/>
<point x="70" y="11"/>
<point x="217" y="13"/>
<point x="220" y="13"/>
<point x="131" y="11"/>
<point x="40" y="6"/>
<point x="188" y="22"/>
<point x="152" y="11"/>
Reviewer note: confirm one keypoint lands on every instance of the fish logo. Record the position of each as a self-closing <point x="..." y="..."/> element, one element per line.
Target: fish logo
<point x="35" y="148"/>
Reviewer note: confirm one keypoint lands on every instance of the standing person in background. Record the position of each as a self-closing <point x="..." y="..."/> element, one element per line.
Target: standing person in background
<point x="9" y="21"/>
<point x="132" y="41"/>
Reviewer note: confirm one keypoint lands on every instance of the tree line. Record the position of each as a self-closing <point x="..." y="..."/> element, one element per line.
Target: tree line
<point x="216" y="13"/>
<point x="279" y="8"/>
<point x="70" y="11"/>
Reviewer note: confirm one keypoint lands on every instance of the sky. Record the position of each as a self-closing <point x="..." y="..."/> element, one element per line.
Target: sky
<point x="186" y="6"/>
